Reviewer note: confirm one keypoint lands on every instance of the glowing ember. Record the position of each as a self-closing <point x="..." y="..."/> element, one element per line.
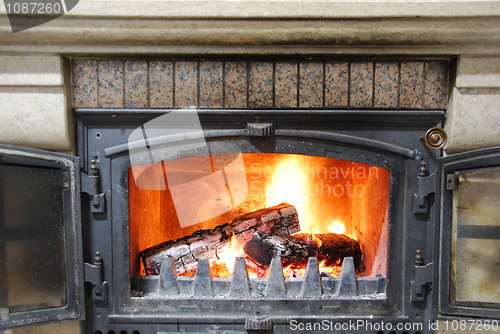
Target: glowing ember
<point x="299" y="271"/>
<point x="227" y="257"/>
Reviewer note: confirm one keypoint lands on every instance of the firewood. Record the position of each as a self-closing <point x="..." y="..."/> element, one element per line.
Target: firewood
<point x="296" y="249"/>
<point x="210" y="243"/>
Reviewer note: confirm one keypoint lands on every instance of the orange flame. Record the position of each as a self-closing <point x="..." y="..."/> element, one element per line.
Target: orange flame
<point x="336" y="227"/>
<point x="290" y="182"/>
<point x="299" y="271"/>
<point x="227" y="257"/>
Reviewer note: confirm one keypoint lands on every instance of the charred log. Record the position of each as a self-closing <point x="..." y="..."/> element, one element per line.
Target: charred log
<point x="280" y="219"/>
<point x="330" y="248"/>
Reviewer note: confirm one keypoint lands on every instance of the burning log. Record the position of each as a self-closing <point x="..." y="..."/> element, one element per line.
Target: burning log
<point x="330" y="248"/>
<point x="279" y="219"/>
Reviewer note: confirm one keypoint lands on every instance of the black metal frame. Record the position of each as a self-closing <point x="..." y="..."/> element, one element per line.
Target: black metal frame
<point x="74" y="308"/>
<point x="388" y="139"/>
<point x="470" y="160"/>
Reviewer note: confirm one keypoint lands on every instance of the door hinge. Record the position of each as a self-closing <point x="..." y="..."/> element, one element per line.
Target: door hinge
<point x="94" y="274"/>
<point x="420" y="285"/>
<point x="426" y="185"/>
<point x="91" y="185"/>
<point x="452" y="181"/>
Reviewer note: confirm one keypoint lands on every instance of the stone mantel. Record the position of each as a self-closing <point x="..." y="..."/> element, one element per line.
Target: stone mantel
<point x="264" y="27"/>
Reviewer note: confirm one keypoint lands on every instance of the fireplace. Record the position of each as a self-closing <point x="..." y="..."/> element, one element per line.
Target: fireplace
<point x="187" y="226"/>
<point x="363" y="176"/>
<point x="320" y="163"/>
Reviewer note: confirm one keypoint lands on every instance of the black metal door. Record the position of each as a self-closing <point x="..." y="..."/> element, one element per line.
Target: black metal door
<point x="41" y="270"/>
<point x="470" y="240"/>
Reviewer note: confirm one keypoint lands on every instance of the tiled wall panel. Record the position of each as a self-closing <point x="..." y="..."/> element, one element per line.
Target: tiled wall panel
<point x="260" y="84"/>
<point x="285" y="84"/>
<point x="136" y="84"/>
<point x="110" y="85"/>
<point x="161" y="84"/>
<point x="336" y="84"/>
<point x="411" y="90"/>
<point x="311" y="84"/>
<point x="361" y="85"/>
<point x="236" y="85"/>
<point x="385" y="91"/>
<point x="211" y="85"/>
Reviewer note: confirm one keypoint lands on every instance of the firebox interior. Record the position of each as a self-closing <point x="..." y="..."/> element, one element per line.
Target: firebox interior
<point x="330" y="195"/>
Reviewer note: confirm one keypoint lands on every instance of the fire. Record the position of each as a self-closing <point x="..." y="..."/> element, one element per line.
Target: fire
<point x="291" y="182"/>
<point x="336" y="227"/>
<point x="295" y="271"/>
<point x="330" y="196"/>
<point x="227" y="257"/>
<point x="294" y="183"/>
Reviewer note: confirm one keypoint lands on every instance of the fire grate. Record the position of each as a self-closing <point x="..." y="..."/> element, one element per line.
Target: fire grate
<point x="239" y="286"/>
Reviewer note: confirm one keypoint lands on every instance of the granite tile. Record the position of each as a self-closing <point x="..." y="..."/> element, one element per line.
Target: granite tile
<point x="311" y="84"/>
<point x="361" y="84"/>
<point x="285" y="87"/>
<point x="161" y="84"/>
<point x="235" y="84"/>
<point x="435" y="85"/>
<point x="386" y="85"/>
<point x="211" y="84"/>
<point x="136" y="84"/>
<point x="411" y="84"/>
<point x="110" y="84"/>
<point x="84" y="80"/>
<point x="186" y="84"/>
<point x="260" y="86"/>
<point x="337" y="84"/>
